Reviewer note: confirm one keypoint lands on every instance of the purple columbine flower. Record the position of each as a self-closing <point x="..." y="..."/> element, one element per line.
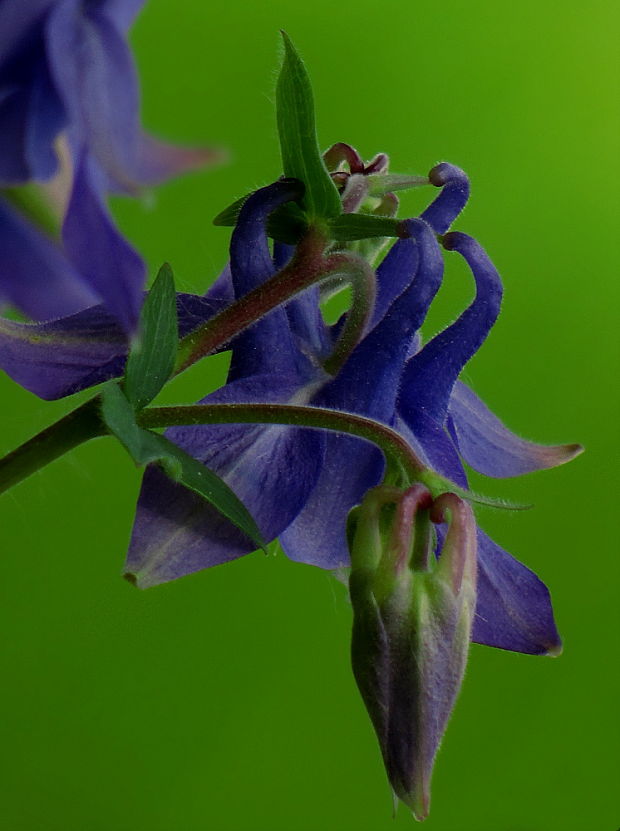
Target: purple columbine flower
<point x="69" y="116"/>
<point x="300" y="484"/>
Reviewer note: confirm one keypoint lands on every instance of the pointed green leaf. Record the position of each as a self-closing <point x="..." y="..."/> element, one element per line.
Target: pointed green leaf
<point x="119" y="416"/>
<point x="151" y="359"/>
<point x="186" y="470"/>
<point x="301" y="157"/>
<point x="286" y="224"/>
<point x="146" y="447"/>
<point x="228" y="217"/>
<point x="348" y="227"/>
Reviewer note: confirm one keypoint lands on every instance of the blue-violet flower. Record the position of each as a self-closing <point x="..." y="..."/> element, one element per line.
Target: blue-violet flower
<point x="69" y="117"/>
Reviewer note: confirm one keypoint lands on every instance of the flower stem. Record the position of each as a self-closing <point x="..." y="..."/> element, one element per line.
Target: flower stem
<point x="76" y="427"/>
<point x="363" y="284"/>
<point x="397" y="451"/>
<point x="307" y="267"/>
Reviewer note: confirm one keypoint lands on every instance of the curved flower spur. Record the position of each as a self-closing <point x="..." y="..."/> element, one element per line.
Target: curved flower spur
<point x="366" y="383"/>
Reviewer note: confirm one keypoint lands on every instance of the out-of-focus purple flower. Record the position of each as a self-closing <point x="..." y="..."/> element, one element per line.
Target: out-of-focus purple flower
<point x="69" y="112"/>
<point x="61" y="357"/>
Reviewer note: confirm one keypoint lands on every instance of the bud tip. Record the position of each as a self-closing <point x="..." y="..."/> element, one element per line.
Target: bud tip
<point x="419" y="804"/>
<point x="131" y="578"/>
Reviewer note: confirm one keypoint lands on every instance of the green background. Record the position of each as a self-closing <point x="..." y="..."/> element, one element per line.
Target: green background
<point x="224" y="701"/>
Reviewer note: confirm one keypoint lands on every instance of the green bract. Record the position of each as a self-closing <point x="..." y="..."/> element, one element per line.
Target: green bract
<point x="146" y="447"/>
<point x="150" y="364"/>
<point x="151" y="360"/>
<point x="301" y="158"/>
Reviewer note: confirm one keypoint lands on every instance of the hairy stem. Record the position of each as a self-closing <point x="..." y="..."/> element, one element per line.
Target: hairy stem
<point x="393" y="445"/>
<point x="76" y="427"/>
<point x="363" y="284"/>
<point x="307" y="266"/>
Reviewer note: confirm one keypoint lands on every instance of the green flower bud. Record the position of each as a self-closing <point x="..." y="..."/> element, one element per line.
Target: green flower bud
<point x="412" y="625"/>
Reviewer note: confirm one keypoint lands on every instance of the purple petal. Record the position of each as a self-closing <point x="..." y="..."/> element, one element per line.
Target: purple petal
<point x="271" y="468"/>
<point x="250" y="258"/>
<point x="367" y="384"/>
<point x="35" y="276"/>
<point x="318" y="534"/>
<point x="282" y="253"/>
<point x="434" y="447"/>
<point x="441" y="213"/>
<point x="61" y="357"/>
<point x="307" y="325"/>
<point x="46" y="119"/>
<point x="193" y="311"/>
<point x="122" y="12"/>
<point x="13" y="118"/>
<point x="158" y="160"/>
<point x="268" y="344"/>
<point x="31" y="117"/>
<point x="430" y="375"/>
<point x="19" y="20"/>
<point x="222" y="288"/>
<point x="513" y="610"/>
<point x="106" y="261"/>
<point x="420" y="276"/>
<point x="490" y="447"/>
<point x="369" y="380"/>
<point x="394" y="275"/>
<point x="93" y="71"/>
<point x="304" y="312"/>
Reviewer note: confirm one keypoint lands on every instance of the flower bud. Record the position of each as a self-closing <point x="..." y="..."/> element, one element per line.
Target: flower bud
<point x="412" y="625"/>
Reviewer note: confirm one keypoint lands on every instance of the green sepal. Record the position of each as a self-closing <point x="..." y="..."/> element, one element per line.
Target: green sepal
<point x="119" y="416"/>
<point x="301" y="157"/>
<point x="152" y="357"/>
<point x="146" y="447"/>
<point x="349" y="227"/>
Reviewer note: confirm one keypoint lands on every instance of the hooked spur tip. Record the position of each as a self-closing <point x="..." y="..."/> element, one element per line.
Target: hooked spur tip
<point x="131" y="578"/>
<point x="574" y="450"/>
<point x="436" y="175"/>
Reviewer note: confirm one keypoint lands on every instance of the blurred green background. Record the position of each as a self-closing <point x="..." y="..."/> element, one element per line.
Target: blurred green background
<point x="224" y="701"/>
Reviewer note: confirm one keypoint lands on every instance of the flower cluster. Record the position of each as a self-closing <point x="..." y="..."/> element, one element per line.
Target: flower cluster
<point x="424" y="580"/>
